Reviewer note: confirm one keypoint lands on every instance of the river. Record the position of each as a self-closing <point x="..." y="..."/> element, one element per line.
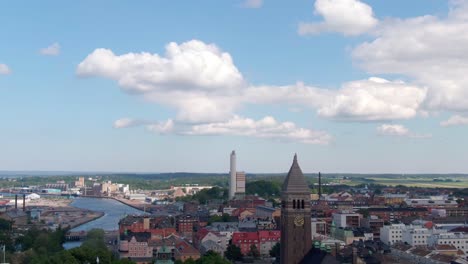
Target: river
<point x="113" y="212"/>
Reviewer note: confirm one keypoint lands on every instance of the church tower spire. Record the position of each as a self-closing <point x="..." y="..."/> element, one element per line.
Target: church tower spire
<point x="296" y="237"/>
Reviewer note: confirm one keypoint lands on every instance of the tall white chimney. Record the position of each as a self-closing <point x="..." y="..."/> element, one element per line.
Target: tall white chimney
<point x="232" y="173"/>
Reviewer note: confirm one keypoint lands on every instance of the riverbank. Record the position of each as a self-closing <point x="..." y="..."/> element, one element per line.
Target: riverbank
<point x="113" y="210"/>
<point x="138" y="205"/>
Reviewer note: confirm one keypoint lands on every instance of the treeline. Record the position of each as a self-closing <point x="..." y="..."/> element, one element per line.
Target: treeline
<point x="43" y="247"/>
<point x="203" y="196"/>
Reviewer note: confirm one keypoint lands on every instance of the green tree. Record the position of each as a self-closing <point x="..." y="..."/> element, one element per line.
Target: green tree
<point x="5" y="225"/>
<point x="263" y="188"/>
<point x="212" y="257"/>
<point x="233" y="253"/>
<point x="254" y="252"/>
<point x="275" y="251"/>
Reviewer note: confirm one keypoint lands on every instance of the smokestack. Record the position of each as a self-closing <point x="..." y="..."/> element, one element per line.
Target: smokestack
<point x="24" y="202"/>
<point x="232" y="172"/>
<point x="320" y="186"/>
<point x="16" y="201"/>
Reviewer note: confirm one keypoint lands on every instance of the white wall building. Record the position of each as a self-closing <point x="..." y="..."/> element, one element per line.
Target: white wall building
<point x="415" y="235"/>
<point x="391" y="234"/>
<point x="458" y="240"/>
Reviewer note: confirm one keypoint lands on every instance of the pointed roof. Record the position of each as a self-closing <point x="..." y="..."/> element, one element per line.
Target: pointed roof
<point x="295" y="182"/>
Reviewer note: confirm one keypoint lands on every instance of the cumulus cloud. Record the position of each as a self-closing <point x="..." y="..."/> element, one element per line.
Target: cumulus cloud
<point x="198" y="79"/>
<point x="431" y="50"/>
<point x="4" y="69"/>
<point x="267" y="127"/>
<point x="252" y="3"/>
<point x="190" y="66"/>
<point x="128" y="122"/>
<point x="205" y="87"/>
<point x="373" y="100"/>
<point x="349" y="17"/>
<point x="52" y="50"/>
<point x="456" y="120"/>
<point x="396" y="130"/>
<point x="162" y="127"/>
<point x="297" y="94"/>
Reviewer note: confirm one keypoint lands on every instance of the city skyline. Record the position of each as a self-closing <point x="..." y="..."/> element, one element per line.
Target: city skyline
<point x="157" y="87"/>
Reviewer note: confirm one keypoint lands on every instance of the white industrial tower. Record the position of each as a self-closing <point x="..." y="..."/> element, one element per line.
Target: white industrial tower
<point x="232" y="175"/>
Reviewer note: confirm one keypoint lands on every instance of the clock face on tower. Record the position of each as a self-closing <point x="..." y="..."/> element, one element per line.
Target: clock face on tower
<point x="299" y="220"/>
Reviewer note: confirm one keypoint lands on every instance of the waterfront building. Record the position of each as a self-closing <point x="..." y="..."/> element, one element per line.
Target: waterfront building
<point x="80" y="182"/>
<point x="296" y="234"/>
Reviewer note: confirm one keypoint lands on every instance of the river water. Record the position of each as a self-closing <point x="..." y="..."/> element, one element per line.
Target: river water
<point x="113" y="212"/>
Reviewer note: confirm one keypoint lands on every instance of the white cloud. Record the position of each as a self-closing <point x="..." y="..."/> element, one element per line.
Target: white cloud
<point x="430" y="50"/>
<point x="396" y="130"/>
<point x="190" y="66"/>
<point x="252" y="3"/>
<point x="52" y="50"/>
<point x="392" y="130"/>
<point x="373" y="100"/>
<point x="297" y="94"/>
<point x="4" y="69"/>
<point x="204" y="86"/>
<point x="162" y="127"/>
<point x="198" y="79"/>
<point x="350" y="17"/>
<point x="128" y="122"/>
<point x="267" y="127"/>
<point x="456" y="120"/>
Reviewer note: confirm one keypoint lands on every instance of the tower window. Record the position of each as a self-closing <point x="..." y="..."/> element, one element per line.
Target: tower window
<point x="302" y="204"/>
<point x="294" y="204"/>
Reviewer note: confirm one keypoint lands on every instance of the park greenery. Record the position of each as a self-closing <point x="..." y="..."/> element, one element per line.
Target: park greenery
<point x="37" y="246"/>
<point x="205" y="195"/>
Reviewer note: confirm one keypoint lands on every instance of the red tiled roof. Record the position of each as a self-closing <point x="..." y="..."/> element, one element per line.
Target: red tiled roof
<point x="241" y="236"/>
<point x="164" y="232"/>
<point x="269" y="234"/>
<point x="185" y="248"/>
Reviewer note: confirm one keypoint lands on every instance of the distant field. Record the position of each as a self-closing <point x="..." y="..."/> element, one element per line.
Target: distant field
<point x="165" y="180"/>
<point x="423" y="181"/>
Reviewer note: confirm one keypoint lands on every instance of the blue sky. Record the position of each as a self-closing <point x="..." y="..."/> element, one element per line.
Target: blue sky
<point x="351" y="86"/>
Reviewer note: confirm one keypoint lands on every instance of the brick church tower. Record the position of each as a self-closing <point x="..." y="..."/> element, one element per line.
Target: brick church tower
<point x="296" y="239"/>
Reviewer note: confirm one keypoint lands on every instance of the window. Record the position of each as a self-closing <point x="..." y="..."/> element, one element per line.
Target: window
<point x="302" y="204"/>
<point x="294" y="204"/>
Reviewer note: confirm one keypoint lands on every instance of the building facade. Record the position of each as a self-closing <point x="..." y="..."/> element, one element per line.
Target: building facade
<point x="391" y="234"/>
<point x="295" y="216"/>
